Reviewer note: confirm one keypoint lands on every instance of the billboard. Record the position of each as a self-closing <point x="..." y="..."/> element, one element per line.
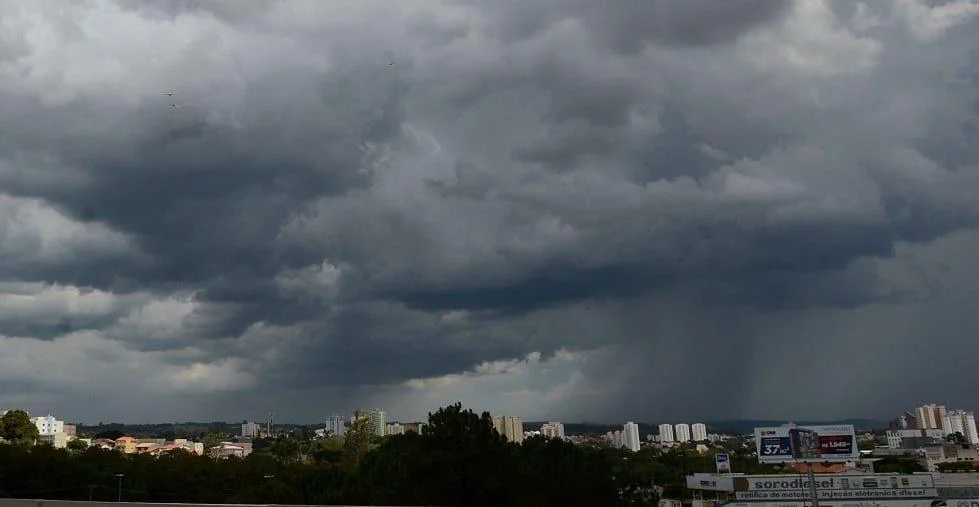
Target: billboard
<point x="723" y="462"/>
<point x="836" y="487"/>
<point x="845" y="503"/>
<point x="806" y="443"/>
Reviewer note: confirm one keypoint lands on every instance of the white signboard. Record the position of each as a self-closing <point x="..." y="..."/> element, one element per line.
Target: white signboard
<point x="710" y="482"/>
<point x="873" y="482"/>
<point x="838" y="494"/>
<point x="806" y="443"/>
<point x="723" y="462"/>
<point x="850" y="503"/>
<point x="836" y="487"/>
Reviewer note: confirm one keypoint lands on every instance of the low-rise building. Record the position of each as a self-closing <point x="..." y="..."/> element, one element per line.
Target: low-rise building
<point x="226" y="450"/>
<point x="126" y="445"/>
<point x="948" y="452"/>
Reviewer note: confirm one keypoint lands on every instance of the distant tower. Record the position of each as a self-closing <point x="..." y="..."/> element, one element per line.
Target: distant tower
<point x="268" y="428"/>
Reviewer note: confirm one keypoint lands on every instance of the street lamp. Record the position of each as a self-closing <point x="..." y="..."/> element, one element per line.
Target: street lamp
<point x="120" y="476"/>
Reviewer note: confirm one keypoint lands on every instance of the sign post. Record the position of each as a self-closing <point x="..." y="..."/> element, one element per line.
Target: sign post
<point x="723" y="463"/>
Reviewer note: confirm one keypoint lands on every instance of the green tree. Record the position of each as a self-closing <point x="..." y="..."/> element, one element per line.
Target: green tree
<point x="214" y="439"/>
<point x="16" y="427"/>
<point x="286" y="448"/>
<point x="357" y="440"/>
<point x="957" y="438"/>
<point x="77" y="445"/>
<point x="893" y="464"/>
<point x="467" y="458"/>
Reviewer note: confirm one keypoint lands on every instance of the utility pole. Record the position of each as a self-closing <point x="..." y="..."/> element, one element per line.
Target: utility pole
<point x="812" y="484"/>
<point x="120" y="476"/>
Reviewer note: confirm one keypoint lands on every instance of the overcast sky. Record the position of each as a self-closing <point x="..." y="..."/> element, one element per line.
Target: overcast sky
<point x="666" y="210"/>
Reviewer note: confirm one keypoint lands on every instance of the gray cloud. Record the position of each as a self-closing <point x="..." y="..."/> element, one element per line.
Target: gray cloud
<point x="398" y="206"/>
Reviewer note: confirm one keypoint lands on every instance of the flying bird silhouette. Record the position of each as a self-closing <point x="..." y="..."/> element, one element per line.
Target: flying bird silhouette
<point x="169" y="94"/>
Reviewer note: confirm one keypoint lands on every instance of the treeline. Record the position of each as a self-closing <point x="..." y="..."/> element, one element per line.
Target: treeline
<point x="458" y="460"/>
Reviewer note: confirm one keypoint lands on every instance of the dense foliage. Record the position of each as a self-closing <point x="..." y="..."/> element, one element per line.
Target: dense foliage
<point x="458" y="460"/>
<point x="16" y="428"/>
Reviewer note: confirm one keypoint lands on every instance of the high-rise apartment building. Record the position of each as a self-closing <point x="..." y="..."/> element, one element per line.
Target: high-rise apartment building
<point x="699" y="432"/>
<point x="971" y="434"/>
<point x="963" y="422"/>
<point x="931" y="417"/>
<point x="395" y="429"/>
<point x="666" y="433"/>
<point x="250" y="429"/>
<point x="335" y="425"/>
<point x="552" y="430"/>
<point x="378" y="423"/>
<point x="630" y="436"/>
<point x="510" y="427"/>
<point x="682" y="432"/>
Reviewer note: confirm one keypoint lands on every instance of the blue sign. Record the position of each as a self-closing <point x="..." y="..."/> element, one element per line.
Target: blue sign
<point x="775" y="446"/>
<point x="722" y="458"/>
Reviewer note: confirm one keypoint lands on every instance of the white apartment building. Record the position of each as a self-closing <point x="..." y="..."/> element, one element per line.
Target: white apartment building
<point x="395" y="429"/>
<point x="250" y="429"/>
<point x="666" y="433"/>
<point x="378" y="424"/>
<point x="682" y="432"/>
<point x="48" y="425"/>
<point x="51" y="430"/>
<point x="552" y="430"/>
<point x="699" y="432"/>
<point x="971" y="433"/>
<point x="335" y="425"/>
<point x="630" y="436"/>
<point x="510" y="427"/>
<point x="961" y="421"/>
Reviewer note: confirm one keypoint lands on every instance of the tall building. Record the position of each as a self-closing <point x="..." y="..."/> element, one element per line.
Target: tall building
<point x="378" y="424"/>
<point x="250" y="429"/>
<point x="510" y="427"/>
<point x="395" y="429"/>
<point x="552" y="430"/>
<point x="699" y="431"/>
<point x="335" y="425"/>
<point x="931" y="416"/>
<point x="666" y="433"/>
<point x="963" y="422"/>
<point x="971" y="434"/>
<point x="682" y="432"/>
<point x="376" y="417"/>
<point x="630" y="436"/>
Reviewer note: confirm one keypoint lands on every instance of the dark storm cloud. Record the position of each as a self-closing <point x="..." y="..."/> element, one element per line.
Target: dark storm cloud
<point x="450" y="185"/>
<point x="626" y="26"/>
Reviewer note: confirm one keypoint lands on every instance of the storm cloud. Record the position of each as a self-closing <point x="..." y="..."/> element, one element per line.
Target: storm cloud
<point x="648" y="210"/>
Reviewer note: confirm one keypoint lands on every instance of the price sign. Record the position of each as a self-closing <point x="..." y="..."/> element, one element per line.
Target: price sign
<point x="775" y="446"/>
<point x="836" y="444"/>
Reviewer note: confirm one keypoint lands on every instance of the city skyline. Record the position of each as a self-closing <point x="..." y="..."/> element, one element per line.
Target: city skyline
<point x="544" y="208"/>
